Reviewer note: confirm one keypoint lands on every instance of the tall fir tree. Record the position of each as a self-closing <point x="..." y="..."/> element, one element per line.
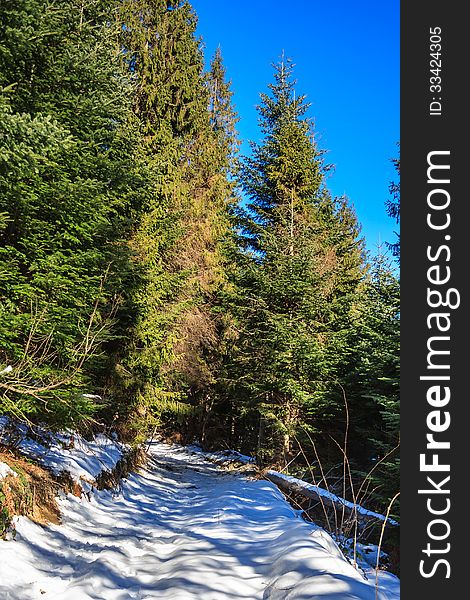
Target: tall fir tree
<point x="298" y="275"/>
<point x="169" y="368"/>
<point x="375" y="368"/>
<point x="223" y="117"/>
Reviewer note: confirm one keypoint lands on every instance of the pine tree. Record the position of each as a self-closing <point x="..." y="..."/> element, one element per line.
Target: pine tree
<point x="298" y="275"/>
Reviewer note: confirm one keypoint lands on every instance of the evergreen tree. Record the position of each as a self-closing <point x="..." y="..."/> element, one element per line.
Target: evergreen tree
<point x="67" y="142"/>
<point x="377" y="372"/>
<point x="127" y="266"/>
<point x="393" y="207"/>
<point x="223" y="117"/>
<point x="299" y="271"/>
<point x="169" y="368"/>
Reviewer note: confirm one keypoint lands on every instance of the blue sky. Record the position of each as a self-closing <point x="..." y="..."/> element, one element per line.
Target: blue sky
<point x="347" y="63"/>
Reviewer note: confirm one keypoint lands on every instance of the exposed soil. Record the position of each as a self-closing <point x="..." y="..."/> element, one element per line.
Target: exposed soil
<point x="31" y="493"/>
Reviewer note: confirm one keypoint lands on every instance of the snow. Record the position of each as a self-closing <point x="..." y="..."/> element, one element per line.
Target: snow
<point x="327" y="494"/>
<point x="223" y="457"/>
<point x="228" y="456"/>
<point x="83" y="459"/>
<point x="5" y="470"/>
<point x="181" y="529"/>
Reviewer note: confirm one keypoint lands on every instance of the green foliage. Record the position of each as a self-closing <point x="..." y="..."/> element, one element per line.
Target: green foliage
<point x="129" y="267"/>
<point x="370" y="374"/>
<point x="66" y="146"/>
<point x="179" y="233"/>
<point x="380" y="368"/>
<point x="297" y="279"/>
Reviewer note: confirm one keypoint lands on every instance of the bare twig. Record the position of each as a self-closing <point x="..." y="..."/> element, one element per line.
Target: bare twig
<point x="37" y="353"/>
<point x="325" y="512"/>
<point x="325" y="482"/>
<point x="380" y="545"/>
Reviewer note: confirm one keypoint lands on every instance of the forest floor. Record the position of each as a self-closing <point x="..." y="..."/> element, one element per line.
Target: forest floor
<point x="182" y="528"/>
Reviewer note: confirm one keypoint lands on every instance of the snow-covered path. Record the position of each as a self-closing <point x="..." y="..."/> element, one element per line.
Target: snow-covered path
<point x="181" y="529"/>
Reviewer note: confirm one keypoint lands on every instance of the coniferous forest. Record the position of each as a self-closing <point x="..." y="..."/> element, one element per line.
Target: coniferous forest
<point x="154" y="280"/>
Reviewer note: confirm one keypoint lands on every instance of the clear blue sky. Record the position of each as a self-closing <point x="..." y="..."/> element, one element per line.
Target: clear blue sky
<point x="347" y="63"/>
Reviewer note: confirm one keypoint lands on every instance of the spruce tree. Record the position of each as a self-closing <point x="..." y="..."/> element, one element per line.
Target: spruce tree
<point x="67" y="144"/>
<point x="299" y="270"/>
<point x="169" y="367"/>
<point x="223" y="117"/>
<point x="377" y="378"/>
